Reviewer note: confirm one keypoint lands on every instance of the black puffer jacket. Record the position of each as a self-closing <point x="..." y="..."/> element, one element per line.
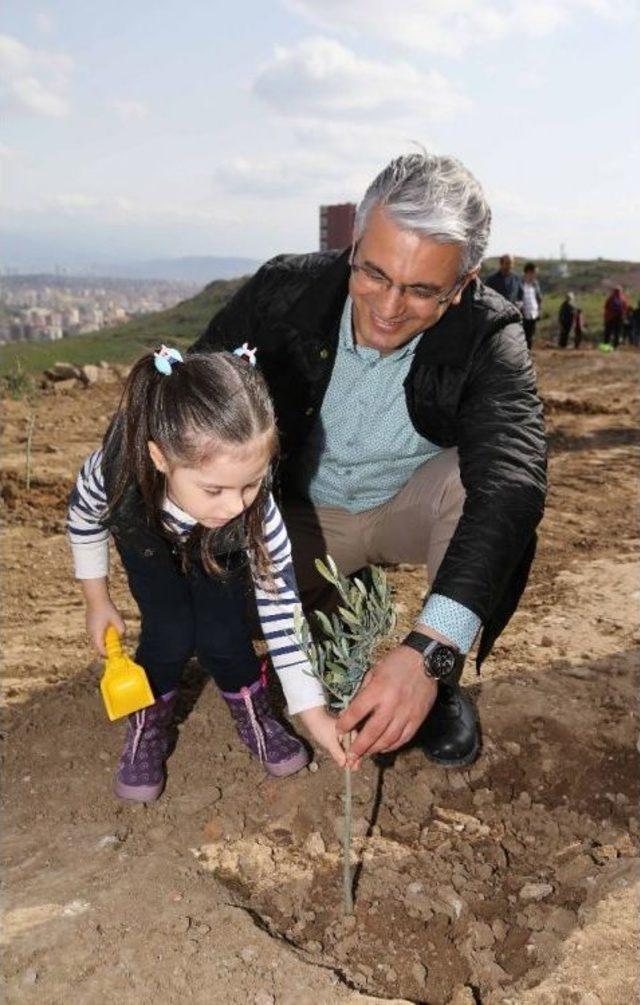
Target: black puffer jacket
<point x="471" y="385"/>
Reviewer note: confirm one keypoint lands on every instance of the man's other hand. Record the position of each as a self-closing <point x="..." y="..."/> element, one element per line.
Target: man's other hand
<point x="395" y="699"/>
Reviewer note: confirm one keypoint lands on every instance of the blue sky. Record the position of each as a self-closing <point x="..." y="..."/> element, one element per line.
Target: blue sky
<point x="168" y="129"/>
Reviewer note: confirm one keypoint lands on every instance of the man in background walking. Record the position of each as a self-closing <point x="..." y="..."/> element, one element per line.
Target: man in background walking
<point x="506" y="282"/>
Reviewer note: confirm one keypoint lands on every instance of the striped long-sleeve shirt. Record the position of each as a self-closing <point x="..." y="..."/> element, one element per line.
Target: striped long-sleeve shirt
<point x="89" y="537"/>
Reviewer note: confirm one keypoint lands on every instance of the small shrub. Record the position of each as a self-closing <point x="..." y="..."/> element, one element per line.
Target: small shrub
<point x="17" y="384"/>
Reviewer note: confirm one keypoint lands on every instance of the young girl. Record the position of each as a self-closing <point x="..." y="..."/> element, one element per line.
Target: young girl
<point x="181" y="483"/>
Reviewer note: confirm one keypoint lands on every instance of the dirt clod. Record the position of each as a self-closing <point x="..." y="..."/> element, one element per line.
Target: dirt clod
<point x="535" y="891"/>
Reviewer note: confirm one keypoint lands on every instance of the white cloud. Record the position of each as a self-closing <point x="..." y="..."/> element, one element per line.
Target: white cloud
<point x="450" y="27"/>
<point x="361" y="141"/>
<point x="513" y="206"/>
<point x="32" y="80"/>
<point x="74" y="200"/>
<point x="322" y="78"/>
<point x="130" y="111"/>
<point x="347" y="117"/>
<point x="118" y="210"/>
<point x="8" y="153"/>
<point x="43" y="21"/>
<point x="328" y="163"/>
<point x="288" y="174"/>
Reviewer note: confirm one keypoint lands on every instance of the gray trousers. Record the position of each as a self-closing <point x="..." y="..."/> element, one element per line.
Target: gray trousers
<point x="414" y="526"/>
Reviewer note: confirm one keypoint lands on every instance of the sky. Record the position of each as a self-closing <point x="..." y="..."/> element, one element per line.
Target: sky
<point x="166" y="128"/>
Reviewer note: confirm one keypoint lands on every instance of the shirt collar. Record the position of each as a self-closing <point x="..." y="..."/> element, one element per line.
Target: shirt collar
<point x="178" y="514"/>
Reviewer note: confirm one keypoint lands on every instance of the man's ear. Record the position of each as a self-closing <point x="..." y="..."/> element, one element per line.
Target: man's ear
<point x="467" y="279"/>
<point x="157" y="457"/>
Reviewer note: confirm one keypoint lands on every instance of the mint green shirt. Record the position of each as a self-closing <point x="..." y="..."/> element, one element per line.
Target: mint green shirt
<point x="363" y="449"/>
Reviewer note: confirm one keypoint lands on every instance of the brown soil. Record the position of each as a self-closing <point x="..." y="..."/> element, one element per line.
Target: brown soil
<point x="511" y="881"/>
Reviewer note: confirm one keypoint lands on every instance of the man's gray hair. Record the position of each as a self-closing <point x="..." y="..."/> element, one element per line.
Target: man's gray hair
<point x="435" y="196"/>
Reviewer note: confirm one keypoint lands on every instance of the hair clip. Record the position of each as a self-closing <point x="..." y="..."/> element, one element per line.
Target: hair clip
<point x="245" y="351"/>
<point x="164" y="359"/>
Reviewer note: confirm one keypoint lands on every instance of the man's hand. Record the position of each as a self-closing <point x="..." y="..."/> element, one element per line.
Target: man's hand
<point x="396" y="697"/>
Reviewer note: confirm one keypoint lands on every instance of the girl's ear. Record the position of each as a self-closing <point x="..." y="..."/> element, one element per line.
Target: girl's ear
<point x="157" y="457"/>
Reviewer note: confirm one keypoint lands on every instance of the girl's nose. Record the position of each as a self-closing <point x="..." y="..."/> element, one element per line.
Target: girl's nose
<point x="234" y="507"/>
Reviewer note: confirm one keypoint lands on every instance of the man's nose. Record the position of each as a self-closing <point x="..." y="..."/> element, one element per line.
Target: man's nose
<point x="390" y="302"/>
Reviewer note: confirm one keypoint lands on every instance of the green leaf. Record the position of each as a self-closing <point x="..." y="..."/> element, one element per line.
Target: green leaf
<point x="334" y="568"/>
<point x="324" y="572"/>
<point x="334" y="667"/>
<point x="348" y="616"/>
<point x="325" y="623"/>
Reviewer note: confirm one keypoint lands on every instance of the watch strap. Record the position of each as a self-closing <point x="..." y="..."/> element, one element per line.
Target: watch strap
<point x="424" y="645"/>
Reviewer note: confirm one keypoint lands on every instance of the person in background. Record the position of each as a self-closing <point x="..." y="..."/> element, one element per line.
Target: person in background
<point x="615" y="308"/>
<point x="566" y="319"/>
<point x="531" y="301"/>
<point x="626" y="325"/>
<point x="579" y="328"/>
<point x="506" y="282"/>
<point x="635" y="326"/>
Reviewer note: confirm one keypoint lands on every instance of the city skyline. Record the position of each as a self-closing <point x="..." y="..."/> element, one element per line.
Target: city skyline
<point x="202" y="130"/>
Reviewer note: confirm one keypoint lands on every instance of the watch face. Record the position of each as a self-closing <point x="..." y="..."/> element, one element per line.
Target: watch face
<point x="442" y="661"/>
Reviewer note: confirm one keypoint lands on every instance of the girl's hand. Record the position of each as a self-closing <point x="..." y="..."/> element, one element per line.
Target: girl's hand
<point x="321" y="726"/>
<point x="99" y="619"/>
<point x="100" y="612"/>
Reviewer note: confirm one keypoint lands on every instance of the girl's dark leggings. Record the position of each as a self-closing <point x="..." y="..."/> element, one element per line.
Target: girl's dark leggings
<point x="191" y="614"/>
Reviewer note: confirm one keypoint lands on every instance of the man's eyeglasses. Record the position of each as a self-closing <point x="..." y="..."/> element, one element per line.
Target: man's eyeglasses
<point x="369" y="276"/>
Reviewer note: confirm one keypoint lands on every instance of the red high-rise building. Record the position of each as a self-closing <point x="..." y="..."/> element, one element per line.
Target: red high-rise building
<point x="336" y="226"/>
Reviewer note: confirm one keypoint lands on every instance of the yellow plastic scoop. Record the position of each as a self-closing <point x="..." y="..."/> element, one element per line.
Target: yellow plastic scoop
<point x="124" y="685"/>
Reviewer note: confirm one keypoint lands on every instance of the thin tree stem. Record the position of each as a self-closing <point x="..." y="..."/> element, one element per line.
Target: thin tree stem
<point x="347" y="882"/>
<point x="31" y="421"/>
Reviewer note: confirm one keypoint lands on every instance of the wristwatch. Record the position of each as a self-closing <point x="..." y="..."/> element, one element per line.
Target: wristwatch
<point x="442" y="662"/>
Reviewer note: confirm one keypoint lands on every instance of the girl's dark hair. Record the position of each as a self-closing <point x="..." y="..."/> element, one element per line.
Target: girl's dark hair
<point x="208" y="402"/>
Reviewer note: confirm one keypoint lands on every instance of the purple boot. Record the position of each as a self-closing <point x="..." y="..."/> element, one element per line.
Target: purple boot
<point x="280" y="752"/>
<point x="141" y="772"/>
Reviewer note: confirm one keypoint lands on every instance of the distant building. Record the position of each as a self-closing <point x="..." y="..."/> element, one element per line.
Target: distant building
<point x="336" y="226"/>
<point x="71" y="317"/>
<point x="563" y="264"/>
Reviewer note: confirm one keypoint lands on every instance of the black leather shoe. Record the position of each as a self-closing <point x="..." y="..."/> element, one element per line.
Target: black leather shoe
<point x="449" y="735"/>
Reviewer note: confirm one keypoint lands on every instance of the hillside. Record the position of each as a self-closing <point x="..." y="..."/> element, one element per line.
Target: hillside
<point x="194" y="269"/>
<point x="594" y="275"/>
<point x="182" y="324"/>
<point x="179" y="325"/>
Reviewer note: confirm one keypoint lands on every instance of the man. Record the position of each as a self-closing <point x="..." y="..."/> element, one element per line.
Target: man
<point x="506" y="282"/>
<point x="566" y="319"/>
<point x="615" y="308"/>
<point x="531" y="301"/>
<point x="411" y="432"/>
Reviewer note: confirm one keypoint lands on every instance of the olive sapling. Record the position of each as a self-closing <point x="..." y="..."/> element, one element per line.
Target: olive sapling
<point x="341" y="658"/>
